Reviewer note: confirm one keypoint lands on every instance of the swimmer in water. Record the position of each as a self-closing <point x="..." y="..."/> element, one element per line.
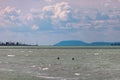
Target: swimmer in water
<point x="73" y="58"/>
<point x="58" y="58"/>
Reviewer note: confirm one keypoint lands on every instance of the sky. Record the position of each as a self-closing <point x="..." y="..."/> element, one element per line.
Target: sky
<point x="47" y="22"/>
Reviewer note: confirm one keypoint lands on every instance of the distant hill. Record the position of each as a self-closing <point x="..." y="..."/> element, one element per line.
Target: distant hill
<point x="81" y="43"/>
<point x="100" y="44"/>
<point x="71" y="43"/>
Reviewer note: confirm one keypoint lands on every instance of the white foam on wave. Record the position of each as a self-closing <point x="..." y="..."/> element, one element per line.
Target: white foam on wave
<point x="11" y="55"/>
<point x="57" y="78"/>
<point x="44" y="69"/>
<point x="77" y="74"/>
<point x="50" y="77"/>
<point x="29" y="51"/>
<point x="96" y="54"/>
<point x="4" y="69"/>
<point x="33" y="66"/>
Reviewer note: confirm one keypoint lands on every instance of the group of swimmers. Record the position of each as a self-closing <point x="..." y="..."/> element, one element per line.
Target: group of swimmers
<point x="58" y="58"/>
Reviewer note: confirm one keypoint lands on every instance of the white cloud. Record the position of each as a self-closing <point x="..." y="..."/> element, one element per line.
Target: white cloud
<point x="9" y="9"/>
<point x="59" y="11"/>
<point x="47" y="8"/>
<point x="55" y="15"/>
<point x="9" y="16"/>
<point x="62" y="16"/>
<point x="35" y="27"/>
<point x="29" y="17"/>
<point x="47" y="12"/>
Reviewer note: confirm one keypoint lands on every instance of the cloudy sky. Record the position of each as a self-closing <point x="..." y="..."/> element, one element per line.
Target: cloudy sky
<point x="47" y="22"/>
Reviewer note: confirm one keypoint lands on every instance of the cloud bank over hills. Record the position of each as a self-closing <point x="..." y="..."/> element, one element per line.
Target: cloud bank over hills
<point x="50" y="21"/>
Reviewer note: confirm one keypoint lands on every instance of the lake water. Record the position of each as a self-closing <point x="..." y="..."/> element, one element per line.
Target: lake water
<point x="54" y="63"/>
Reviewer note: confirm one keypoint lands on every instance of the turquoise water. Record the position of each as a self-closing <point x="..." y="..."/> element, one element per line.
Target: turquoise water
<point x="74" y="63"/>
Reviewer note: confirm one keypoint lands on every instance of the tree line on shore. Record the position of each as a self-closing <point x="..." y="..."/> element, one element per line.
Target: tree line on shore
<point x="14" y="44"/>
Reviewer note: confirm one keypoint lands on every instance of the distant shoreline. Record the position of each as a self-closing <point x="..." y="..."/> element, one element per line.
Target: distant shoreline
<point x="59" y="47"/>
